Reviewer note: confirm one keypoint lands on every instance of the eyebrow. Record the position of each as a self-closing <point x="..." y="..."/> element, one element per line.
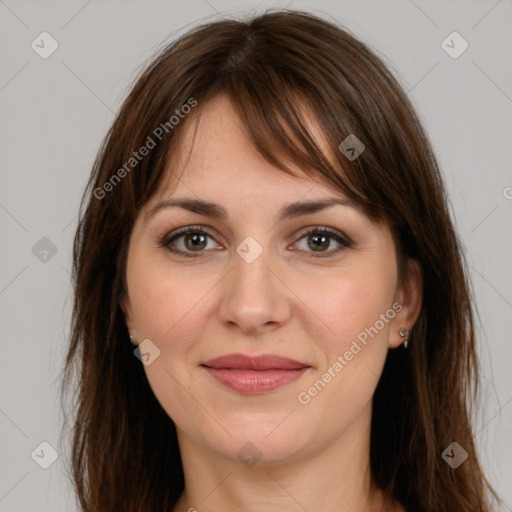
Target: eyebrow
<point x="289" y="211"/>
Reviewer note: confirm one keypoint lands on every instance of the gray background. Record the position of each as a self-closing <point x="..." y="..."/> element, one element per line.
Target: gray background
<point x="55" y="112"/>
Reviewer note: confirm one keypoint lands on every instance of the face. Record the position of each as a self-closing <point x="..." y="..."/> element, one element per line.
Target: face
<point x="257" y="283"/>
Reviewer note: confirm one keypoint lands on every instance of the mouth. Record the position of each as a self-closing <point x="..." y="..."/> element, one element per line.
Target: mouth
<point x="254" y="375"/>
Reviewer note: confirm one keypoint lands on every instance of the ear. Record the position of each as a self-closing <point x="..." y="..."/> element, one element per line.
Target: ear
<point x="125" y="305"/>
<point x="409" y="294"/>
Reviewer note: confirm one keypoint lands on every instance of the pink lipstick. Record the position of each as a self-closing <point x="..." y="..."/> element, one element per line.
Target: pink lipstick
<point x="252" y="375"/>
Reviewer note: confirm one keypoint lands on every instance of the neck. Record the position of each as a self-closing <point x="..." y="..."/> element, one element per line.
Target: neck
<point x="335" y="478"/>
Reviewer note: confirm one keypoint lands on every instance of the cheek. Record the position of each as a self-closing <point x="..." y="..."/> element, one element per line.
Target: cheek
<point x="351" y="303"/>
<point x="168" y="310"/>
<point x="356" y="309"/>
<point x="162" y="298"/>
<point x="352" y="352"/>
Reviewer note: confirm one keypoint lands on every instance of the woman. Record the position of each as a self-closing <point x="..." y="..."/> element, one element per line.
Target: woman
<point x="267" y="224"/>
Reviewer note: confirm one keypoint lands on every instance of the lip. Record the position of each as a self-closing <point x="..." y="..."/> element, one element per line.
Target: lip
<point x="253" y="375"/>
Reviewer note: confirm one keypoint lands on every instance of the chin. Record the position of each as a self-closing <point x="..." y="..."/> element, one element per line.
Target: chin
<point x="264" y="442"/>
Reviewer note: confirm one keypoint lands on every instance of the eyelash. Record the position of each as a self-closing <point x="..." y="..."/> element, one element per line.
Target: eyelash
<point x="167" y="241"/>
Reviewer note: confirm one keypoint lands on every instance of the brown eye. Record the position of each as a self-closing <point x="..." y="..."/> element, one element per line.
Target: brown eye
<point x="195" y="241"/>
<point x="187" y="240"/>
<point x="191" y="239"/>
<point x="320" y="240"/>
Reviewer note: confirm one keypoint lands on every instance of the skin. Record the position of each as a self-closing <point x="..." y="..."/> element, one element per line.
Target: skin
<point x="291" y="300"/>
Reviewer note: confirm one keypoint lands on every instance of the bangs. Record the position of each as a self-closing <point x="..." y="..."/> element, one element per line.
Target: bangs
<point x="299" y="99"/>
<point x="284" y="125"/>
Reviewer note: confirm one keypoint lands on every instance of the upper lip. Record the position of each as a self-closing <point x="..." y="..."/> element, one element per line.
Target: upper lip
<point x="262" y="362"/>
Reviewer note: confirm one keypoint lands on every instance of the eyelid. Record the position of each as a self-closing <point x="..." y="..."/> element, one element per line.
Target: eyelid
<point x="321" y="229"/>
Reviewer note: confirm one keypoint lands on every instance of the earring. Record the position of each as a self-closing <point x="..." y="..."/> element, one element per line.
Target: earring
<point x="405" y="334"/>
<point x="132" y="334"/>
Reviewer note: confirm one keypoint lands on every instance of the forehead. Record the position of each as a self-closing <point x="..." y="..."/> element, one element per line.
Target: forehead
<point x="215" y="153"/>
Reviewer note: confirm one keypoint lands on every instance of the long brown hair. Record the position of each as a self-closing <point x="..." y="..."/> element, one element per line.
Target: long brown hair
<point x="125" y="454"/>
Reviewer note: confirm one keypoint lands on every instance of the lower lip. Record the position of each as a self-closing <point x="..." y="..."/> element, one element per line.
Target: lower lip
<point x="254" y="382"/>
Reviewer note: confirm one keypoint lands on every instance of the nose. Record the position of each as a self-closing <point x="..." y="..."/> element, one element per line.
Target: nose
<point x="254" y="297"/>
